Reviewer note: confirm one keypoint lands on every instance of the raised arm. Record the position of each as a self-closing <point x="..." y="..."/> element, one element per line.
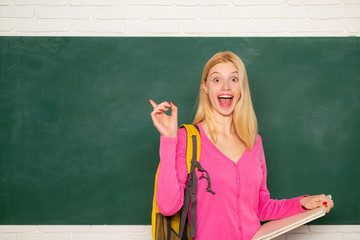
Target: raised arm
<point x="172" y="173"/>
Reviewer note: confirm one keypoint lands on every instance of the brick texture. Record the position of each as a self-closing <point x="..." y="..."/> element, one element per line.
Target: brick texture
<point x="180" y="17"/>
<point x="142" y="232"/>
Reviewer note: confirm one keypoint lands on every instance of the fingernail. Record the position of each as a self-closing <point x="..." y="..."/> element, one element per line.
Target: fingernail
<point x="161" y="110"/>
<point x="172" y="103"/>
<point x="324" y="203"/>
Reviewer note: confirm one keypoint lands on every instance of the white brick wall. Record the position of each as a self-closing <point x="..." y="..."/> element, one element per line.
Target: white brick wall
<point x="175" y="18"/>
<point x="312" y="232"/>
<point x="11" y="232"/>
<point x="180" y="17"/>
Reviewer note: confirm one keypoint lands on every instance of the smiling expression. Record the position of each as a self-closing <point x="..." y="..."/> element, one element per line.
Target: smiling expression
<point x="223" y="88"/>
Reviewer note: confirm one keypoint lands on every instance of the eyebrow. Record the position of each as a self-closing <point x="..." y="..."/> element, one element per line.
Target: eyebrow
<point x="219" y="73"/>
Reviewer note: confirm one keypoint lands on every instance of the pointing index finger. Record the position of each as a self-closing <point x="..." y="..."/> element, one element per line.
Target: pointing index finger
<point x="153" y="103"/>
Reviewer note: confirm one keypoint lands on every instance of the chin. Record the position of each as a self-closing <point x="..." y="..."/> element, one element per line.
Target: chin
<point x="227" y="113"/>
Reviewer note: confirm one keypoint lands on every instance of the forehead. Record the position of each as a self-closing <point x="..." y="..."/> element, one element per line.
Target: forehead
<point x="227" y="67"/>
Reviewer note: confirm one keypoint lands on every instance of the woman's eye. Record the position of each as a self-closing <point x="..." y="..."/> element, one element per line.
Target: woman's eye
<point x="234" y="79"/>
<point x="216" y="80"/>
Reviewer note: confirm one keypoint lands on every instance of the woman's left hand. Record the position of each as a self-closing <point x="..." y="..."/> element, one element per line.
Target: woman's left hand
<point x="311" y="202"/>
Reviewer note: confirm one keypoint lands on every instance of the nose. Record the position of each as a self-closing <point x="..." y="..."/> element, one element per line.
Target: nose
<point x="226" y="85"/>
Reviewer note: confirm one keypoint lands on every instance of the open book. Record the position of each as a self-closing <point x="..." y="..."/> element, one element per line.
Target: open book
<point x="275" y="228"/>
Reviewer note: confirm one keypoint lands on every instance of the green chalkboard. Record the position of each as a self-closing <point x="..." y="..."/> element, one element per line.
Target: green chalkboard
<point x="77" y="145"/>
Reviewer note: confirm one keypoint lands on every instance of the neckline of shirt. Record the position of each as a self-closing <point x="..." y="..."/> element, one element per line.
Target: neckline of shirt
<point x="212" y="145"/>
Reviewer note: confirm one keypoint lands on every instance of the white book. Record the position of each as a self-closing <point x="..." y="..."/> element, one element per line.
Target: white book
<point x="275" y="228"/>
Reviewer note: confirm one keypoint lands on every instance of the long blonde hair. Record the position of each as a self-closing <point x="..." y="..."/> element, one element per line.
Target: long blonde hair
<point x="243" y="116"/>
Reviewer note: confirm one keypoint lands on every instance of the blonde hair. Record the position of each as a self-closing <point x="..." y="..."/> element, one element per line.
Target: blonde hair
<point x="243" y="116"/>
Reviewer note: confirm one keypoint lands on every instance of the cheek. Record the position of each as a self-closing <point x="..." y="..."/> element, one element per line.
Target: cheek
<point x="237" y="91"/>
<point x="212" y="97"/>
<point x="211" y="90"/>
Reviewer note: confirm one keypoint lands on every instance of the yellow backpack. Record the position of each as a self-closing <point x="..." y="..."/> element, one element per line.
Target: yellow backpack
<point x="173" y="227"/>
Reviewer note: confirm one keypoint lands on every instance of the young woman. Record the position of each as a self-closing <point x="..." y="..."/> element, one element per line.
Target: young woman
<point x="231" y="152"/>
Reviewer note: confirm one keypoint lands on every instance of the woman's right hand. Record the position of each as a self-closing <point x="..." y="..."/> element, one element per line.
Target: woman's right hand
<point x="165" y="124"/>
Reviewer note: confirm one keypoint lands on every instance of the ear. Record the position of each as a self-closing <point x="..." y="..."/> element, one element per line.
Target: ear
<point x="204" y="87"/>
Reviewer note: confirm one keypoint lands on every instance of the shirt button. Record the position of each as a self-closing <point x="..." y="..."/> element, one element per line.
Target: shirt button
<point x="238" y="181"/>
<point x="237" y="196"/>
<point x="240" y="228"/>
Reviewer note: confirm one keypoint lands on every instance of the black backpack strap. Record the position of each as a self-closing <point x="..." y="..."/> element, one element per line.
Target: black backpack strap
<point x="190" y="194"/>
<point x="201" y="169"/>
<point x="183" y="219"/>
<point x="193" y="189"/>
<point x="168" y="223"/>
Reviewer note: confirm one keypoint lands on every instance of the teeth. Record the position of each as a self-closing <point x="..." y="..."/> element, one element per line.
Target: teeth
<point x="225" y="96"/>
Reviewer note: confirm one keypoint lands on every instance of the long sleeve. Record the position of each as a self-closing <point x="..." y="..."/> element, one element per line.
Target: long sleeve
<point x="270" y="209"/>
<point x="172" y="175"/>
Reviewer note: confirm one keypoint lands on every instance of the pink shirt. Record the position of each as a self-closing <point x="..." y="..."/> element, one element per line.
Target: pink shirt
<point x="241" y="197"/>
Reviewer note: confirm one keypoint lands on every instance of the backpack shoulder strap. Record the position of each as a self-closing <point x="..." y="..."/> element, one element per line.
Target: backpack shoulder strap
<point x="192" y="160"/>
<point x="192" y="132"/>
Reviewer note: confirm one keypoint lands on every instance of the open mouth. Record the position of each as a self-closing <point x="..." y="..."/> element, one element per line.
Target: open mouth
<point x="225" y="100"/>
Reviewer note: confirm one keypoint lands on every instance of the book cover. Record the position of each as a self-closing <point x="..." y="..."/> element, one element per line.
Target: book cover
<point x="277" y="227"/>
